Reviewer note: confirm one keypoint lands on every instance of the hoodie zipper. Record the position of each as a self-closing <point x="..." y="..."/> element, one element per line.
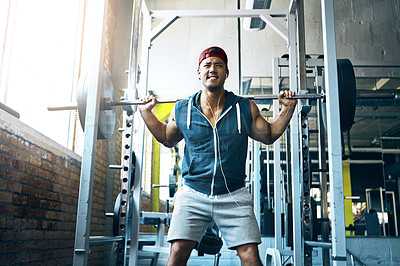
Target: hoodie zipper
<point x="215" y="144"/>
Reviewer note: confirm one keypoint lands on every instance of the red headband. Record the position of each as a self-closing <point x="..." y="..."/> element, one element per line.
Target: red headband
<point x="214" y="51"/>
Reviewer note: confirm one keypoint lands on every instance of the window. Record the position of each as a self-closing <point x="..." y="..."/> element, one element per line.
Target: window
<point x="40" y="57"/>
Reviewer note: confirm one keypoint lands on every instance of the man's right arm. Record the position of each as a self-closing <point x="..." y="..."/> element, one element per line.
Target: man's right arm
<point x="167" y="134"/>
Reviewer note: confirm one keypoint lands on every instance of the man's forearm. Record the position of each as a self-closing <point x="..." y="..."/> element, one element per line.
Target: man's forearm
<point x="155" y="126"/>
<point x="279" y="125"/>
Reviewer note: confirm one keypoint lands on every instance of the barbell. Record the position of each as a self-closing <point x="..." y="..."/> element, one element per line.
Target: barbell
<point x="172" y="185"/>
<point x="107" y="115"/>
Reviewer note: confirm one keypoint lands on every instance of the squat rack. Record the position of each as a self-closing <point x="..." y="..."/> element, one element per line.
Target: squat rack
<point x="290" y="35"/>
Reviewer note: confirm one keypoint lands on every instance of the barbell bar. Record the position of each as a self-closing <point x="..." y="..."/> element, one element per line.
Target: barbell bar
<point x="250" y="97"/>
<point x="107" y="117"/>
<point x="108" y="103"/>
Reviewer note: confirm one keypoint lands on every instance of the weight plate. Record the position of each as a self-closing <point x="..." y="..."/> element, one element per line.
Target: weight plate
<point x="82" y="100"/>
<point x="117" y="213"/>
<point x="107" y="118"/>
<point x="210" y="243"/>
<point x="347" y="94"/>
<point x="133" y="169"/>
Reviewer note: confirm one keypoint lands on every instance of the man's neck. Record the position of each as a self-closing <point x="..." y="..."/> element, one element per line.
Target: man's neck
<point x="211" y="103"/>
<point x="214" y="97"/>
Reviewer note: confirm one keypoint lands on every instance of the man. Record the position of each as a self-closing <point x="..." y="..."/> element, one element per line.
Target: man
<point x="215" y="125"/>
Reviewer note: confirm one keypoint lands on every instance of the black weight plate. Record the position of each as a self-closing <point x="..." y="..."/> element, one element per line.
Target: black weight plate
<point x="117" y="212"/>
<point x="347" y="93"/>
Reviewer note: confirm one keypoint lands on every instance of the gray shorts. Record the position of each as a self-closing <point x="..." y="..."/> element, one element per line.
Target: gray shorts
<point x="233" y="214"/>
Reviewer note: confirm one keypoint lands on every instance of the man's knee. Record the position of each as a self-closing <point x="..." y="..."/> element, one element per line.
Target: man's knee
<point x="248" y="254"/>
<point x="180" y="251"/>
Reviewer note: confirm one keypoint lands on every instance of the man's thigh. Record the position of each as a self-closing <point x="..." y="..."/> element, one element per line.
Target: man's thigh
<point x="234" y="215"/>
<point x="191" y="216"/>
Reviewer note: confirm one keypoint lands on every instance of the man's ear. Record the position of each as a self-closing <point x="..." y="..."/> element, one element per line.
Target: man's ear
<point x="227" y="73"/>
<point x="198" y="73"/>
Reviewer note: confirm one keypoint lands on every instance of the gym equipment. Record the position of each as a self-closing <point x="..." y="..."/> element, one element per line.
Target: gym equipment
<point x="306" y="182"/>
<point x="9" y="110"/>
<point x="347" y="93"/>
<point x="116" y="215"/>
<point x="172" y="185"/>
<point x="130" y="237"/>
<point x="346" y="85"/>
<point x="211" y="244"/>
<point x="107" y="116"/>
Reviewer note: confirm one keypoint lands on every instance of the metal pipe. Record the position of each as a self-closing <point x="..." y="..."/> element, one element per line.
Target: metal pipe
<point x="381" y="191"/>
<point x="239" y="41"/>
<point x="378" y="94"/>
<point x="84" y="209"/>
<point x="108" y="103"/>
<point x="10" y="110"/>
<point x="66" y="107"/>
<point x="338" y="235"/>
<point x="104" y="239"/>
<point x="323" y="180"/>
<point x="250" y="97"/>
<point x="301" y="46"/>
<point x="294" y="147"/>
<point x="373" y="150"/>
<point x="389" y="138"/>
<point x="276" y="169"/>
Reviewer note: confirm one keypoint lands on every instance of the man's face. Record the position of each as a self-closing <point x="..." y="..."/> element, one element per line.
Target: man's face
<point x="212" y="72"/>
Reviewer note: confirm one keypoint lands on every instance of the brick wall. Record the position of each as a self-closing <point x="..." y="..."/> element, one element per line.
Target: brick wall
<point x="39" y="187"/>
<point x="38" y="195"/>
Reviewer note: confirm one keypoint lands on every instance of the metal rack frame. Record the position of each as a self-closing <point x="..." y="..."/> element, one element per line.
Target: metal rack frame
<point x="289" y="34"/>
<point x="383" y="202"/>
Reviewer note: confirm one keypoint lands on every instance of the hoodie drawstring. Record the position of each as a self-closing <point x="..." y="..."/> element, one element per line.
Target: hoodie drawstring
<point x="238" y="118"/>
<point x="189" y="113"/>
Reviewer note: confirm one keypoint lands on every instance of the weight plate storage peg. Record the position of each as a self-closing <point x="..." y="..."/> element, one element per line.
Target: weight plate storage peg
<point x="107" y="116"/>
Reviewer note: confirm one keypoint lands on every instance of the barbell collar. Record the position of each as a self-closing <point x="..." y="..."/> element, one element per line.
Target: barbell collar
<point x="106" y="103"/>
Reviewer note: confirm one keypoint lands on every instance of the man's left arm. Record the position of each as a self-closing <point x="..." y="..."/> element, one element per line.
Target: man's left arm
<point x="269" y="131"/>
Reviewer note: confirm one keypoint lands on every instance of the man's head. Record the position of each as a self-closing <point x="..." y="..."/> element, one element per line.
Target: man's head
<point x="214" y="51"/>
<point x="213" y="69"/>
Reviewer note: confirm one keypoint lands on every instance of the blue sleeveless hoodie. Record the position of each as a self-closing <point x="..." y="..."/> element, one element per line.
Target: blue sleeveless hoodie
<point x="212" y="155"/>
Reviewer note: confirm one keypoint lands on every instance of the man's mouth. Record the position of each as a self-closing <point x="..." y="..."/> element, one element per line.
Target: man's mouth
<point x="212" y="77"/>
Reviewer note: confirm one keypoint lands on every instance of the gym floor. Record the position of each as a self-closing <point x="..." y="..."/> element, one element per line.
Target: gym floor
<point x="227" y="258"/>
